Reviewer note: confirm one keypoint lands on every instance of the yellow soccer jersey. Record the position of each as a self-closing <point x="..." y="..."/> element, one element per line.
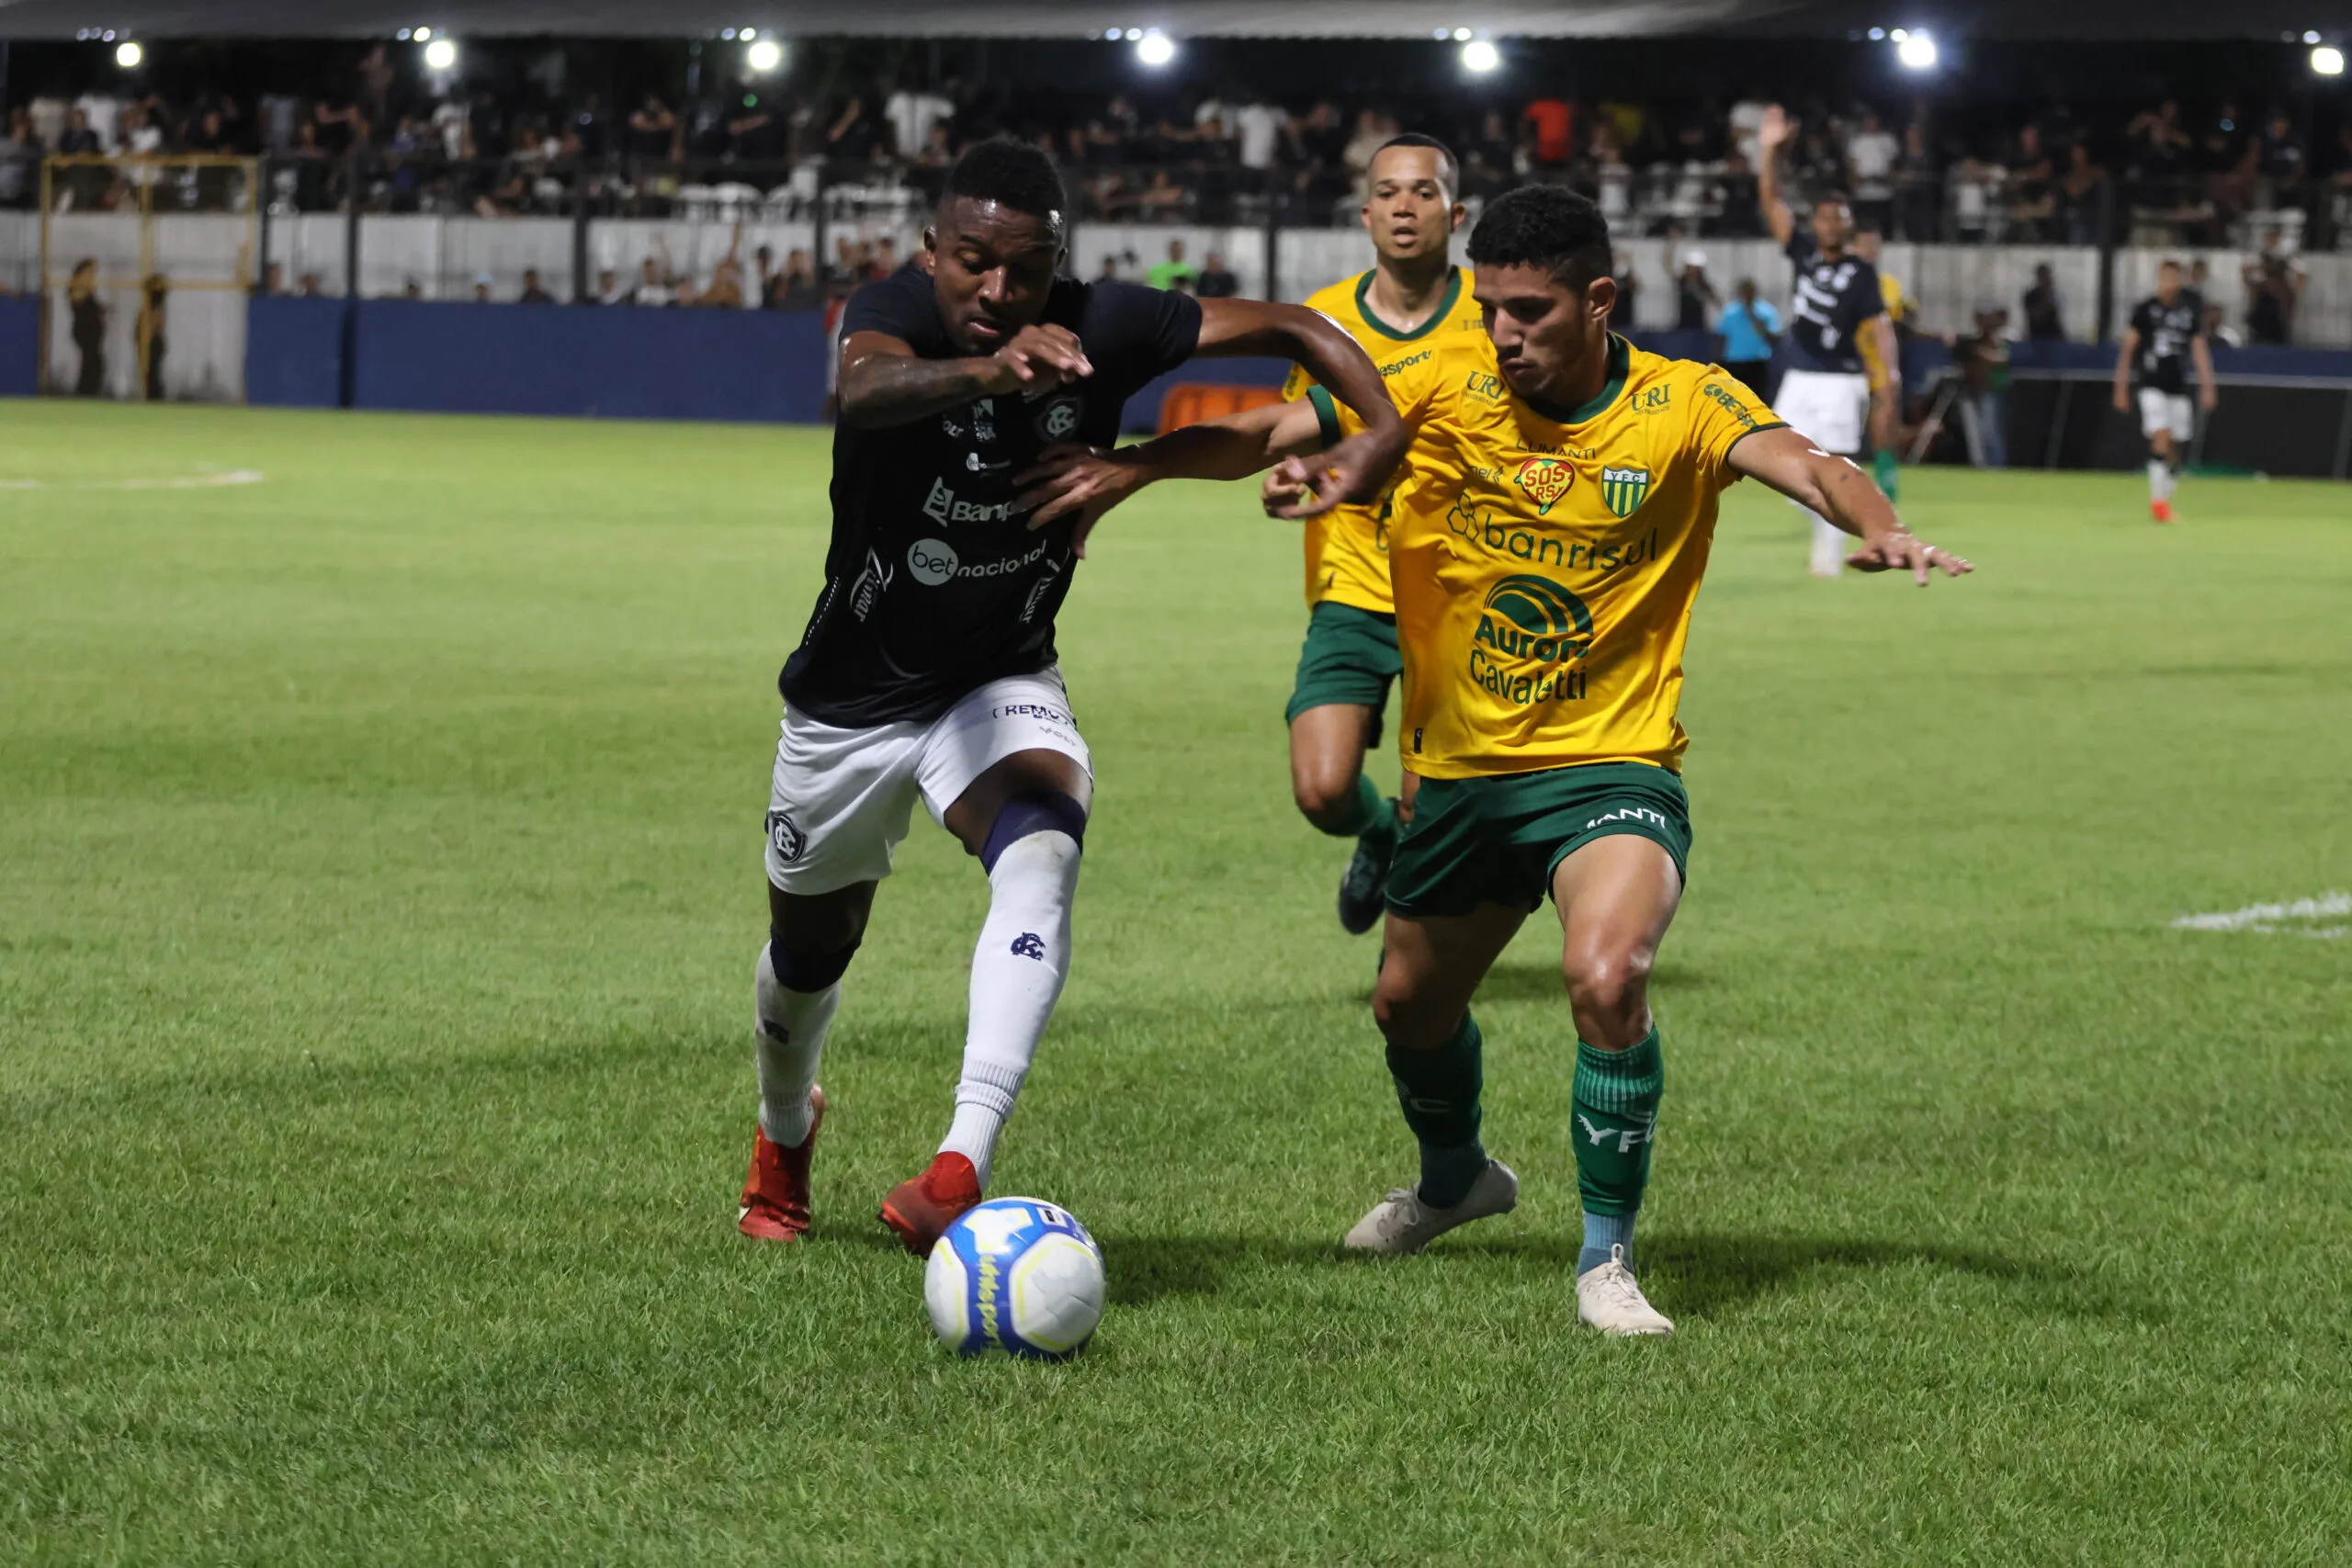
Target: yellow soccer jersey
<point x="1545" y="569"/>
<point x="1347" y="549"/>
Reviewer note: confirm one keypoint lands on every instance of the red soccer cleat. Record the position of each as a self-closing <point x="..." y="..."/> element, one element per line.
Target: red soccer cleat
<point x="2161" y="511"/>
<point x="921" y="1209"/>
<point x="775" y="1195"/>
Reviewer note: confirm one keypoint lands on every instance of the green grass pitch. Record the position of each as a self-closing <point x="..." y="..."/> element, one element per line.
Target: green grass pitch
<point x="382" y="848"/>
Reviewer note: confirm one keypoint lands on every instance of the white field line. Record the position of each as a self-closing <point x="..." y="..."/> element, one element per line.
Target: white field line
<point x="2297" y="919"/>
<point x="182" y="481"/>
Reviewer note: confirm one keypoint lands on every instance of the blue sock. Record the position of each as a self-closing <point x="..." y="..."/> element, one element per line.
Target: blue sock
<point x="1602" y="1231"/>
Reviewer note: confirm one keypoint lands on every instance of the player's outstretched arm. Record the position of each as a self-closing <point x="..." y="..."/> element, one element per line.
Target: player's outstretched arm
<point x="1841" y="492"/>
<point x="1309" y="339"/>
<point x="1777" y="127"/>
<point x="1087" y="481"/>
<point x="884" y="382"/>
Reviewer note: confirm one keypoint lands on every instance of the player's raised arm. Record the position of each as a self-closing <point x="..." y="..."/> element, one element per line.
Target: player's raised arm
<point x="1837" y="491"/>
<point x="1776" y="128"/>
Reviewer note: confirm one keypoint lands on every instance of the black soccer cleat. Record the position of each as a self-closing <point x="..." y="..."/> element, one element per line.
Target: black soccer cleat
<point x="1360" y="890"/>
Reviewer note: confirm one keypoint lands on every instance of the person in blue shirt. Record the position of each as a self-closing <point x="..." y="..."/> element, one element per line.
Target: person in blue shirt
<point x="1749" y="326"/>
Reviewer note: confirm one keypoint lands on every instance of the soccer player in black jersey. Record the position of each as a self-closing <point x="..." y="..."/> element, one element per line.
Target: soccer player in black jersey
<point x="1844" y="375"/>
<point x="2167" y="335"/>
<point x="928" y="668"/>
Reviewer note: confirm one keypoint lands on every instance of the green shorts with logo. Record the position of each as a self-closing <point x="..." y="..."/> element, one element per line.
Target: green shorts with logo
<point x="1350" y="657"/>
<point x="1499" y="840"/>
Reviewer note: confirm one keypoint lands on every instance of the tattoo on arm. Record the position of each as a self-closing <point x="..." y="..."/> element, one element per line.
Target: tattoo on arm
<point x="883" y="389"/>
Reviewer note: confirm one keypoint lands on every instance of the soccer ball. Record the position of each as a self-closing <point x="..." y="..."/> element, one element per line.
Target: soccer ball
<point x="1016" y="1275"/>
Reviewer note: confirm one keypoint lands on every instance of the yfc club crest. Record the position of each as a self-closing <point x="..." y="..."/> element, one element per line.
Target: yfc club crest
<point x="1546" y="479"/>
<point x="1622" y="489"/>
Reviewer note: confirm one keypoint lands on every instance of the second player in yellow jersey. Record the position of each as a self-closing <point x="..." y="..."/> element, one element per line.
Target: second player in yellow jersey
<point x="1413" y="297"/>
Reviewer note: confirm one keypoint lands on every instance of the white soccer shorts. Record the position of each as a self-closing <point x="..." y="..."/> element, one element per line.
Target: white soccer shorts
<point x="2166" y="410"/>
<point x="840" y="799"/>
<point x="1830" y="408"/>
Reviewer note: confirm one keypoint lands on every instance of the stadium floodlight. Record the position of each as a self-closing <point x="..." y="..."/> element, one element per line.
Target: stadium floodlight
<point x="1877" y="33"/>
<point x="1155" y="48"/>
<point x="1916" y="50"/>
<point x="422" y="35"/>
<point x="764" y="56"/>
<point x="2328" y="60"/>
<point x="128" y="55"/>
<point x="1480" y="56"/>
<point x="1462" y="35"/>
<point x="441" y="54"/>
<point x="1134" y="35"/>
<point x="2311" y="35"/>
<point x="728" y="34"/>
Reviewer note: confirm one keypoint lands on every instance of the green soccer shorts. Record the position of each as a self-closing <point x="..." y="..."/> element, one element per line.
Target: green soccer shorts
<point x="1350" y="657"/>
<point x="1499" y="840"/>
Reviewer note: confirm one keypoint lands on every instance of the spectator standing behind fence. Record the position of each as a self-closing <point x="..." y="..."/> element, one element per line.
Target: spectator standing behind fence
<point x="1872" y="154"/>
<point x="2042" y="321"/>
<point x="534" y="293"/>
<point x="1694" y="298"/>
<point x="1175" y="272"/>
<point x="19" y="157"/>
<point x="155" y="298"/>
<point x="88" y="313"/>
<point x="1217" y="281"/>
<point x="1750" y="327"/>
<point x="2273" y="283"/>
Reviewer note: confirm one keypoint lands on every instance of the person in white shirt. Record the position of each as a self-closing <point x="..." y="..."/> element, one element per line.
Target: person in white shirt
<point x="1871" y="155"/>
<point x="1261" y="125"/>
<point x="911" y="116"/>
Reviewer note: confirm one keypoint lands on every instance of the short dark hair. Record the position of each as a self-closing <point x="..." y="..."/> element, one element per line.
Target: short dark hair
<point x="1545" y="226"/>
<point x="1011" y="174"/>
<point x="1833" y="197"/>
<point x="1449" y="166"/>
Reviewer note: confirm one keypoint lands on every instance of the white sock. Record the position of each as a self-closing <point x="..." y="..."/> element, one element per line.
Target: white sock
<point x="1018" y="968"/>
<point x="1828" y="542"/>
<point x="2159" y="479"/>
<point x="788" y="1034"/>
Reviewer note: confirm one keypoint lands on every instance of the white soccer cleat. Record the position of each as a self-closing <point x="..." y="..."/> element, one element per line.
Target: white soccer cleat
<point x="1608" y="1299"/>
<point x="1402" y="1224"/>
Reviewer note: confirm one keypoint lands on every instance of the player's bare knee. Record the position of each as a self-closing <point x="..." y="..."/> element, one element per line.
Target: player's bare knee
<point x="1608" y="989"/>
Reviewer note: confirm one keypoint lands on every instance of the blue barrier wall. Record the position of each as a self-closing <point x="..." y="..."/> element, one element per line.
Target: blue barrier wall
<point x="583" y="361"/>
<point x="295" y="352"/>
<point x="19" y="345"/>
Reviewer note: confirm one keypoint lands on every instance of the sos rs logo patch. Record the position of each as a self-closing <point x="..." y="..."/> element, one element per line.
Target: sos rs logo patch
<point x="1545" y="479"/>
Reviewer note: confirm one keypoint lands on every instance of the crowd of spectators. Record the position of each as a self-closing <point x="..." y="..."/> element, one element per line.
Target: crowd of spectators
<point x="1925" y="170"/>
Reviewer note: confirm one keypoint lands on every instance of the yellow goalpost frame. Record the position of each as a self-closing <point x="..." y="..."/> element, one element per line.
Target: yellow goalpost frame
<point x="248" y="196"/>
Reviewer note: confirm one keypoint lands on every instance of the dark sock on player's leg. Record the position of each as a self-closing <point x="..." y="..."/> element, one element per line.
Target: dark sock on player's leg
<point x="1615" y="1102"/>
<point x="1378" y="836"/>
<point x="1438" y="1091"/>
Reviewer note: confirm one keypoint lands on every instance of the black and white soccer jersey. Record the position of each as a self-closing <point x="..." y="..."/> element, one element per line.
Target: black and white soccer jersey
<point x="935" y="586"/>
<point x="2164" y="332"/>
<point x="1832" y="300"/>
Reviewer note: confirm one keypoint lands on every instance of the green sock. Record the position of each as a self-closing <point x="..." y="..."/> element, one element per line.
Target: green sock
<point x="1884" y="469"/>
<point x="1438" y="1091"/>
<point x="1368" y="812"/>
<point x="1616" y="1113"/>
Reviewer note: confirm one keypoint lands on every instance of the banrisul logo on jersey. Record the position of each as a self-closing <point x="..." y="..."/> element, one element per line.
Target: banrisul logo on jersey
<point x="1532" y="633"/>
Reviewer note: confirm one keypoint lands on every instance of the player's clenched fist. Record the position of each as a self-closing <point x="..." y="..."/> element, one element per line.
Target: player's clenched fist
<point x="1040" y="356"/>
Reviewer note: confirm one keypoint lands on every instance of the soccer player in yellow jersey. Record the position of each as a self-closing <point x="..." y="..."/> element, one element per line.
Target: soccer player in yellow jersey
<point x="1546" y="550"/>
<point x="1413" y="293"/>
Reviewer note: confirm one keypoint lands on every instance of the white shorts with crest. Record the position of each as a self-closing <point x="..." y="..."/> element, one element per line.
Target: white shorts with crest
<point x="840" y="799"/>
